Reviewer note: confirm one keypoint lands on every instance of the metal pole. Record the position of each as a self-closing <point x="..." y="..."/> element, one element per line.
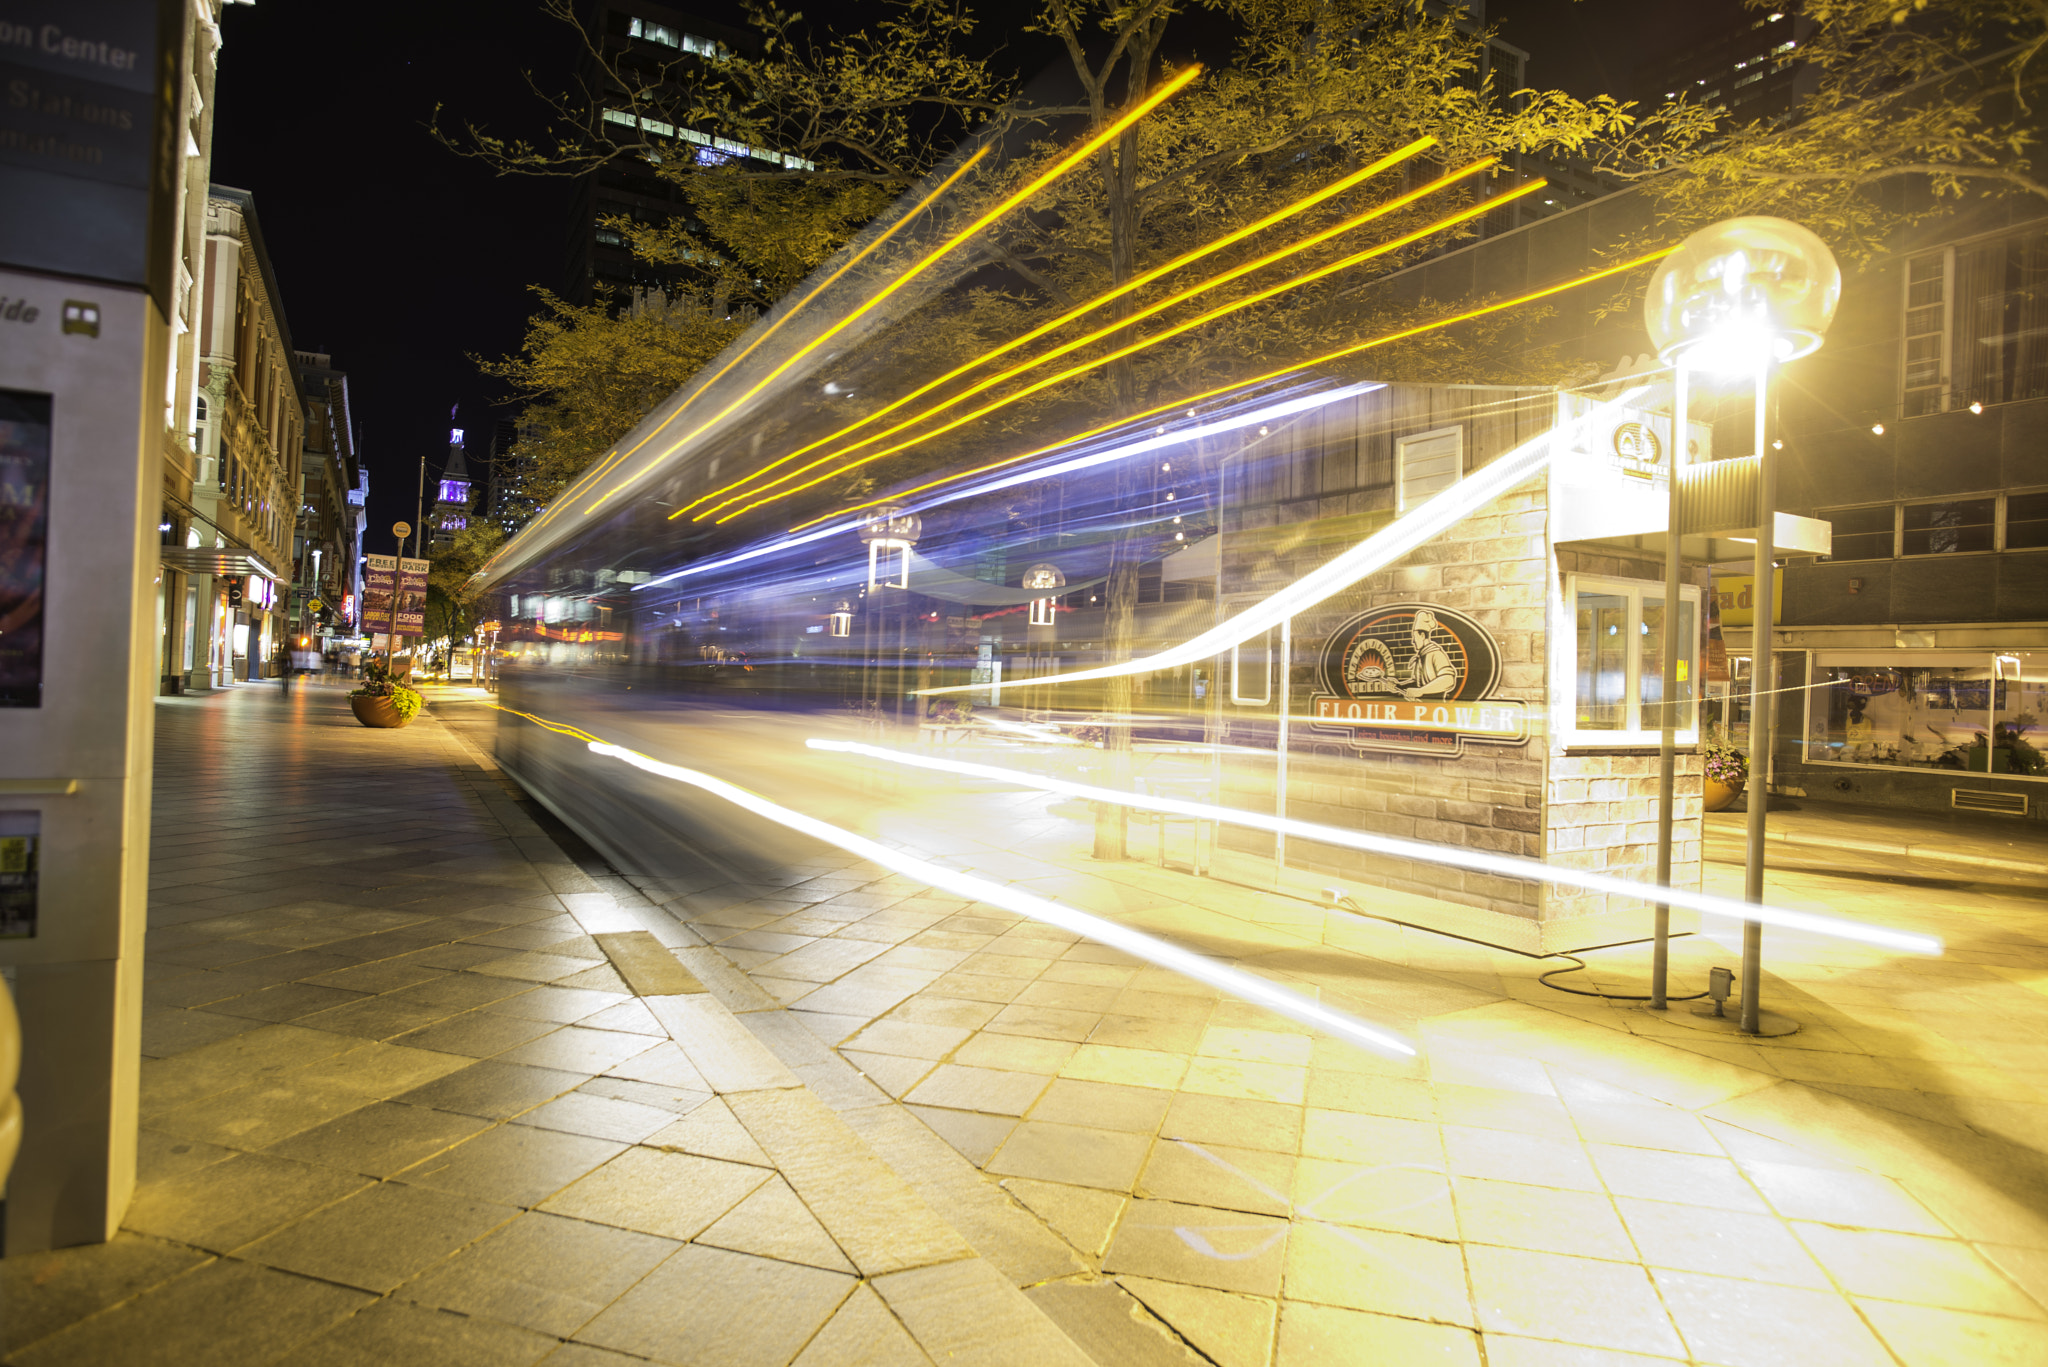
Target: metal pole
<point x="391" y="642"/>
<point x="1667" y="728"/>
<point x="1761" y="703"/>
<point x="1286" y="696"/>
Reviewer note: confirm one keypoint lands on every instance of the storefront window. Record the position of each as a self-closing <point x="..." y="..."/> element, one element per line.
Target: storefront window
<point x="1618" y="660"/>
<point x="1602" y="661"/>
<point x="1968" y="713"/>
<point x="1650" y="636"/>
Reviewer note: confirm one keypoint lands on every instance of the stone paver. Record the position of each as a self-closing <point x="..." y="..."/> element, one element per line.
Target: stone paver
<point x="1555" y="1179"/>
<point x="891" y="1109"/>
<point x="399" y="1106"/>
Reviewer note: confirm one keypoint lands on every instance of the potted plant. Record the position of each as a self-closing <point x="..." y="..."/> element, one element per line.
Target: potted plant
<point x="1727" y="770"/>
<point x="383" y="701"/>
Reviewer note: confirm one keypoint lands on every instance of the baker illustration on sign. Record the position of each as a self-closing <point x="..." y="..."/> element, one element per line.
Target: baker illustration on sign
<point x="1429" y="695"/>
<point x="1369" y="665"/>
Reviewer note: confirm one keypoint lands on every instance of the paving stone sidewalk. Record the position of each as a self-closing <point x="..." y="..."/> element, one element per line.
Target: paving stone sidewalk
<point x="1553" y="1180"/>
<point x="1008" y="1145"/>
<point x="400" y="1105"/>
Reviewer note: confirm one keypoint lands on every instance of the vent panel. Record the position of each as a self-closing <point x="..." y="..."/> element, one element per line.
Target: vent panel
<point x="1980" y="800"/>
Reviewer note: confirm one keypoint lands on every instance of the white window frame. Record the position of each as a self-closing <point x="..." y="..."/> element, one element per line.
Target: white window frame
<point x="1633" y="736"/>
<point x="1948" y="320"/>
<point x="1401" y="445"/>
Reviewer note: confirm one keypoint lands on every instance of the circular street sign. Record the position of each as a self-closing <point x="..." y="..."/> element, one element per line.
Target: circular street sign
<point x="401" y="529"/>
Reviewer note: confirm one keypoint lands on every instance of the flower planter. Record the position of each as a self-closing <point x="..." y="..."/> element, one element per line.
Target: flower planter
<point x="378" y="712"/>
<point x="1718" y="796"/>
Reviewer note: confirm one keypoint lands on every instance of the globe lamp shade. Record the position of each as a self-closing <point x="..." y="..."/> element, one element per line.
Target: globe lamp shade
<point x="1742" y="292"/>
<point x="1044" y="576"/>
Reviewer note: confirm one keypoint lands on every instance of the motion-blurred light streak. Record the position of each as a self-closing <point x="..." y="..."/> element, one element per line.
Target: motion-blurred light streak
<point x="1137" y="282"/>
<point x="1376" y="552"/>
<point x="1235" y="981"/>
<point x="882" y="239"/>
<point x="1296" y="367"/>
<point x="1110" y="132"/>
<point x="1479" y="861"/>
<point x="1144" y="343"/>
<point x="1067" y="348"/>
<point x="590" y="478"/>
<point x="810" y="532"/>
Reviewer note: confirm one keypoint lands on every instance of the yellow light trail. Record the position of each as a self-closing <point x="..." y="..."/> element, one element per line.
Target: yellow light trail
<point x="1068" y="348"/>
<point x="1483" y="861"/>
<point x="1137" y="282"/>
<point x="1171" y="87"/>
<point x="1164" y="953"/>
<point x="1184" y="402"/>
<point x="948" y="183"/>
<point x="612" y="460"/>
<point x="1143" y="343"/>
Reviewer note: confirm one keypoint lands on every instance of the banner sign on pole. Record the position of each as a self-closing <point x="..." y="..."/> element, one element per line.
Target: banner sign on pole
<point x="380" y="582"/>
<point x="412" y="596"/>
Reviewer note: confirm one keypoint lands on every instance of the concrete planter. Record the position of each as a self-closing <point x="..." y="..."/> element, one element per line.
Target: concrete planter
<point x="1719" y="797"/>
<point x="378" y="712"/>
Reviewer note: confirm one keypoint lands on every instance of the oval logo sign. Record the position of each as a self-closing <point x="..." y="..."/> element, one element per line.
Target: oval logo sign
<point x="1638" y="441"/>
<point x="1415" y="678"/>
<point x="1414" y="651"/>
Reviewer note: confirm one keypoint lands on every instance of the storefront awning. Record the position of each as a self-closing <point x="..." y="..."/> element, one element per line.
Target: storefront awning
<point x="217" y="560"/>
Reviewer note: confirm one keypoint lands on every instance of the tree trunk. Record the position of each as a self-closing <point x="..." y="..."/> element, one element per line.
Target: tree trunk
<point x="1119" y="168"/>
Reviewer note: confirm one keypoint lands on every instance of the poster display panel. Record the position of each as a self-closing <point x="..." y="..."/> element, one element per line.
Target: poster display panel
<point x="24" y="543"/>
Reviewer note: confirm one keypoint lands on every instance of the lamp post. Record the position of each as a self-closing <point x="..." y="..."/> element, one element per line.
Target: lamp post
<point x="1735" y="298"/>
<point x="893" y="530"/>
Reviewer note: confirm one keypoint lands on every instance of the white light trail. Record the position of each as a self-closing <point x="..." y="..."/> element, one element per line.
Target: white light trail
<point x="1377" y="551"/>
<point x="1505" y="865"/>
<point x="1135" y="942"/>
<point x="1156" y="442"/>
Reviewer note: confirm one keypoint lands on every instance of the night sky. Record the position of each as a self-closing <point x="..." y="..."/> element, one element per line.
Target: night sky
<point x="403" y="261"/>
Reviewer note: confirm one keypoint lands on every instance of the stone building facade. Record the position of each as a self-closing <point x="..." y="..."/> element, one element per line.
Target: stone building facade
<point x="1554" y="792"/>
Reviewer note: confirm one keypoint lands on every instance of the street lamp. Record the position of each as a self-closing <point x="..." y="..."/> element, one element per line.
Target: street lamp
<point x="892" y="529"/>
<point x="1040" y="577"/>
<point x="1736" y="297"/>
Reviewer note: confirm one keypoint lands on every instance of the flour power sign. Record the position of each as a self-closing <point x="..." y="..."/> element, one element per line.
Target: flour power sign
<point x="1415" y="678"/>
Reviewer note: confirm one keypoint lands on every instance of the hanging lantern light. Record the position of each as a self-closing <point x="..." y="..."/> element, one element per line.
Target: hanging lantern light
<point x="1043" y="576"/>
<point x="842" y="620"/>
<point x="890" y="534"/>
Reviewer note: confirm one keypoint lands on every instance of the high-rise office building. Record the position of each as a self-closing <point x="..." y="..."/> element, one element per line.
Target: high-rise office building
<point x="659" y="48"/>
<point x="1742" y="61"/>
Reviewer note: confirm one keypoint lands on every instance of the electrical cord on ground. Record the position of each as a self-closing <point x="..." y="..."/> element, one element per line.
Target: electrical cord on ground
<point x="1578" y="963"/>
<point x="1337" y="897"/>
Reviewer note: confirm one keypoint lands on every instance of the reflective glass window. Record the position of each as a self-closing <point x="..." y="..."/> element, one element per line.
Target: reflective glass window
<point x="1603" y="650"/>
<point x="1949" y="528"/>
